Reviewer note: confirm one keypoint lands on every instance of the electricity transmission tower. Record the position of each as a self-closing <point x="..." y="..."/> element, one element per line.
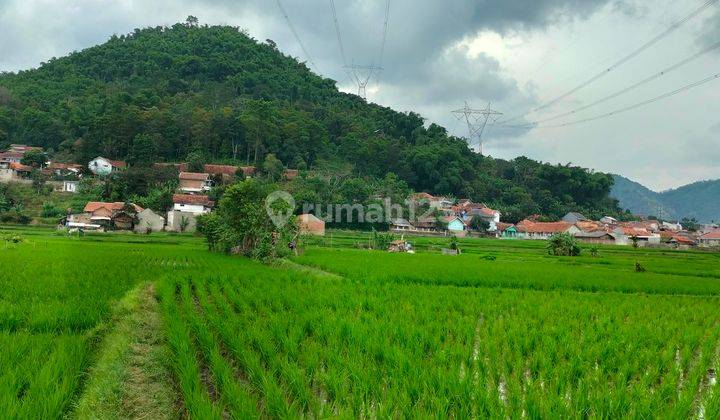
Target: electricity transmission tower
<point x="476" y="120"/>
<point x="361" y="75"/>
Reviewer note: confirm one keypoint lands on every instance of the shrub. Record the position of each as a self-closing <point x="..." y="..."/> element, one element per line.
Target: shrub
<point x="381" y="240"/>
<point x="563" y="244"/>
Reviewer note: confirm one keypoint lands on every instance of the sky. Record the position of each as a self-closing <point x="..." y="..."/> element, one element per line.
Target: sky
<point x="516" y="55"/>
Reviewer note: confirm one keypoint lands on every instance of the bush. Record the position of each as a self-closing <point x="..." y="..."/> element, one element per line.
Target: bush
<point x="382" y="240"/>
<point x="563" y="244"/>
<point x="49" y="210"/>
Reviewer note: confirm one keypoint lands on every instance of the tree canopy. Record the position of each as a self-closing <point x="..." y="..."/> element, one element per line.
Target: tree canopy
<point x="214" y="94"/>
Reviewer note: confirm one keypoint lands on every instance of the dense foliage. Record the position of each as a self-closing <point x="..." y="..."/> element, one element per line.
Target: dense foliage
<point x="241" y="224"/>
<point x="169" y="93"/>
<point x="693" y="201"/>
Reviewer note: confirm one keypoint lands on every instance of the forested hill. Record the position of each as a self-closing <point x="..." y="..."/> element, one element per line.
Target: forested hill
<point x="169" y="91"/>
<point x="699" y="200"/>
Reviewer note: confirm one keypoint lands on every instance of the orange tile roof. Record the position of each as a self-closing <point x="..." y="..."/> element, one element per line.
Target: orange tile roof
<point x="543" y="227"/>
<point x="93" y="206"/>
<point x="20" y="167"/>
<point x="715" y="234"/>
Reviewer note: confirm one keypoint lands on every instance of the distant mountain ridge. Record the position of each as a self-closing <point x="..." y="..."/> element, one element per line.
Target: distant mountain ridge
<point x="700" y="200"/>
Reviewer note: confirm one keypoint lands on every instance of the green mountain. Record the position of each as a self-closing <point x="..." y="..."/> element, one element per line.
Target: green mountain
<point x="163" y="93"/>
<point x="699" y="200"/>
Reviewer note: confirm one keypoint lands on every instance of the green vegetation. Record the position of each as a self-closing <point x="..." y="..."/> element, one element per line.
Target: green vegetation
<point x="689" y="201"/>
<point x="563" y="244"/>
<point x="199" y="94"/>
<point x="502" y="329"/>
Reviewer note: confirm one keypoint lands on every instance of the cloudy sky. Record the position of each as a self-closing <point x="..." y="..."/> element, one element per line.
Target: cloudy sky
<point x="515" y="54"/>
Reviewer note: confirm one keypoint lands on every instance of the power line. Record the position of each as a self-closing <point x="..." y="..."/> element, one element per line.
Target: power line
<point x="297" y="37"/>
<point x="621" y="92"/>
<point x="359" y="74"/>
<point x="672" y="28"/>
<point x="627" y="108"/>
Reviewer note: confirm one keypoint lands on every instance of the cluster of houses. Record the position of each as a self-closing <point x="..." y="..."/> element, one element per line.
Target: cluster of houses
<point x="460" y="219"/>
<point x="445" y="215"/>
<point x="188" y="202"/>
<point x="63" y="177"/>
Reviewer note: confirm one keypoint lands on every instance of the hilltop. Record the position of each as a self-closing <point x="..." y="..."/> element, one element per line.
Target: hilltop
<point x="698" y="200"/>
<point x="166" y="92"/>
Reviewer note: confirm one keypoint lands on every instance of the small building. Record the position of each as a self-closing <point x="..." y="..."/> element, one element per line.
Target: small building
<point x="426" y="224"/>
<point x="682" y="241"/>
<point x="309" y="224"/>
<point x="149" y="221"/>
<point x="506" y="230"/>
<point x="116" y="215"/>
<point x="82" y="221"/>
<point x="192" y="203"/>
<point x="625" y="235"/>
<point x="194" y="182"/>
<point x="102" y="166"/>
<point x="401" y="225"/>
<point x="62" y="169"/>
<point x="70" y="186"/>
<point x="710" y="239"/>
<point x="574" y="217"/>
<point x="6" y="158"/>
<point x="596" y="237"/>
<point x="454" y="224"/>
<point x="222" y="173"/>
<point x="607" y="220"/>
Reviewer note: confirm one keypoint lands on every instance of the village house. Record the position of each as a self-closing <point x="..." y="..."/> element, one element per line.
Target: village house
<point x="454" y="224"/>
<point x="221" y="173"/>
<point x="192" y="203"/>
<point x="15" y="153"/>
<point x="596" y="237"/>
<point x="103" y="166"/>
<point x="194" y="182"/>
<point x="506" y="231"/>
<point x="528" y="229"/>
<point x="710" y="239"/>
<point x="467" y="210"/>
<point x="625" y="235"/>
<point x="682" y="242"/>
<point x="309" y="224"/>
<point x="442" y="204"/>
<point x="117" y="215"/>
<point x="401" y="225"/>
<point x="15" y="172"/>
<point x="62" y="169"/>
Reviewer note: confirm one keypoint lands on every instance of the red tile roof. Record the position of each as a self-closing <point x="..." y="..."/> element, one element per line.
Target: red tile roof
<point x="192" y="199"/>
<point x="502" y="226"/>
<point x="59" y="165"/>
<point x="221" y="169"/>
<point x="683" y="240"/>
<point x="248" y="170"/>
<point x="194" y="176"/>
<point x="422" y="196"/>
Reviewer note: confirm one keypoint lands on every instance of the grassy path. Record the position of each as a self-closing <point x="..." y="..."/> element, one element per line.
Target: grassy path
<point x="131" y="378"/>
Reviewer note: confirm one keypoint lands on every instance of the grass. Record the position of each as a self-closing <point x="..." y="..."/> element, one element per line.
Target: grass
<point x="130" y="377"/>
<point x="124" y="326"/>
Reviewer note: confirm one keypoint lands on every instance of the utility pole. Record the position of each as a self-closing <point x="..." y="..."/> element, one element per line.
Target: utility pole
<point x="476" y="120"/>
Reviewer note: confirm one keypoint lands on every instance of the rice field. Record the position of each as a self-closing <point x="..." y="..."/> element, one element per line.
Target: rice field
<point x="501" y="331"/>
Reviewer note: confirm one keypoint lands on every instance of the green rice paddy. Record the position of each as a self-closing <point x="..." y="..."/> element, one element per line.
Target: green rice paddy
<point x="502" y="330"/>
